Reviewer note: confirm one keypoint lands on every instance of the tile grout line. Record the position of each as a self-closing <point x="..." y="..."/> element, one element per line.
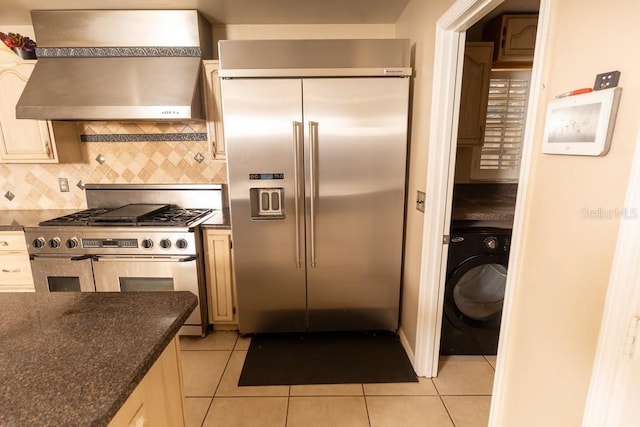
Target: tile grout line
<point x="220" y="380"/>
<point x="366" y="407"/>
<point x="447" y="409"/>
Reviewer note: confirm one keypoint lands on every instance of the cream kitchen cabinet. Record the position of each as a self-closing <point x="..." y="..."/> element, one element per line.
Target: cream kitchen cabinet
<point x="515" y="39"/>
<point x="15" y="270"/>
<point x="476" y="73"/>
<point x="213" y="105"/>
<point x="221" y="293"/>
<point x="158" y="400"/>
<point x="31" y="141"/>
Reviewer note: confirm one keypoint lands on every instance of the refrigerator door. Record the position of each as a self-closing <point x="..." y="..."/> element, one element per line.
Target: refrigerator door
<point x="262" y="121"/>
<point x="355" y="136"/>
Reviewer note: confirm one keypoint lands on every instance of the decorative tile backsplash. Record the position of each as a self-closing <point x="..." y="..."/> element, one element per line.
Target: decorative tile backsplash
<point x="185" y="160"/>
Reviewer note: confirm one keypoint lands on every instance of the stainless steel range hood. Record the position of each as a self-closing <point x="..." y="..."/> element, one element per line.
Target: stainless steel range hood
<point x="117" y="65"/>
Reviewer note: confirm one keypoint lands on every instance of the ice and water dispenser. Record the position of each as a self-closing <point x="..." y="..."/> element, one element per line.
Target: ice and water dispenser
<point x="267" y="202"/>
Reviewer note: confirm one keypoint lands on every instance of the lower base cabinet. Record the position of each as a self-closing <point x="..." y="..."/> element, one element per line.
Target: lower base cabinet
<point x="15" y="268"/>
<point x="221" y="293"/>
<point x="158" y="400"/>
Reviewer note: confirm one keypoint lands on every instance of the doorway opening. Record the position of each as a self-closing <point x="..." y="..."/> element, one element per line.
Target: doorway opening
<point x="450" y="42"/>
<point x="496" y="78"/>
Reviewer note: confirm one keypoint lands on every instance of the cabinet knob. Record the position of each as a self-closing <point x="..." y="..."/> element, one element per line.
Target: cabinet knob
<point x="48" y="148"/>
<point x="15" y="270"/>
<point x="4" y="243"/>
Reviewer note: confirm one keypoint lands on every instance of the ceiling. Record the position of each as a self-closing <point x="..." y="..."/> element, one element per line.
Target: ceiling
<point x="16" y="12"/>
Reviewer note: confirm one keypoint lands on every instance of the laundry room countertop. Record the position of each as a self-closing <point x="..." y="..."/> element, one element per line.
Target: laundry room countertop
<point x="490" y="202"/>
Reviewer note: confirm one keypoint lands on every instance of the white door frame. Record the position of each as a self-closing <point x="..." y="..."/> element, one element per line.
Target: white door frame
<point x="447" y="77"/>
<point x="611" y="370"/>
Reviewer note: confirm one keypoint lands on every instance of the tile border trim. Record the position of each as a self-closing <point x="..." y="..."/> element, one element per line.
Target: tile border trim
<point x="144" y="137"/>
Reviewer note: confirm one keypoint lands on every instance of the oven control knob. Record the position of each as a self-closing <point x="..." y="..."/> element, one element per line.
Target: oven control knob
<point x="165" y="243"/>
<point x="491" y="242"/>
<point x="182" y="244"/>
<point x="38" y="243"/>
<point x="72" y="243"/>
<point x="147" y="243"/>
<point x="55" y="243"/>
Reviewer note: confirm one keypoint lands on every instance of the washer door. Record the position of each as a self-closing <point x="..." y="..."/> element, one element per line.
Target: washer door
<point x="475" y="290"/>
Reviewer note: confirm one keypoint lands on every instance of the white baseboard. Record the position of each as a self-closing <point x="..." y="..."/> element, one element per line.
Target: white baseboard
<point x="407" y="348"/>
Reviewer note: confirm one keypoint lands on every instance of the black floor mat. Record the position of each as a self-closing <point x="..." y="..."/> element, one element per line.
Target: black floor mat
<point x="326" y="358"/>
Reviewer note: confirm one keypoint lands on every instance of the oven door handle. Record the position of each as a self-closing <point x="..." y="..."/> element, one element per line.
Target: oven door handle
<point x="82" y="257"/>
<point x="145" y="258"/>
<point x="33" y="257"/>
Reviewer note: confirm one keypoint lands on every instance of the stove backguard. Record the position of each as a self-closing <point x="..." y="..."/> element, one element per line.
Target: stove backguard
<point x="211" y="196"/>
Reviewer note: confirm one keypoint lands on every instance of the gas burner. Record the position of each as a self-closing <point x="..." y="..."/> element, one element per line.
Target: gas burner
<point x="175" y="216"/>
<point x="132" y="215"/>
<point x="76" y="218"/>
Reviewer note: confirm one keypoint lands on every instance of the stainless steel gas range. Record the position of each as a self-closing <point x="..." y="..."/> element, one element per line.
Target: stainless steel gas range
<point x="131" y="238"/>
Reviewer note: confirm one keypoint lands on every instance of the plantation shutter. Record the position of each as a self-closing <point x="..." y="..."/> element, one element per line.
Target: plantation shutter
<point x="499" y="156"/>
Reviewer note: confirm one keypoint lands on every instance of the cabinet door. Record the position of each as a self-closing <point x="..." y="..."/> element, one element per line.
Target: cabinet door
<point x="213" y="105"/>
<point x="158" y="399"/>
<point x="21" y="140"/>
<point x="15" y="268"/>
<point x="219" y="276"/>
<point x="15" y="272"/>
<point x="519" y="38"/>
<point x="476" y="72"/>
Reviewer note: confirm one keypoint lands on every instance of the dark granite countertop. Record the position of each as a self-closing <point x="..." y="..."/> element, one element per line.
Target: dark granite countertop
<point x="495" y="202"/>
<point x="72" y="359"/>
<point x="221" y="221"/>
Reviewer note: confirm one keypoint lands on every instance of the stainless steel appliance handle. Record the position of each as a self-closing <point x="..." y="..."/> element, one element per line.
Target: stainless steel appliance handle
<point x="81" y="257"/>
<point x="145" y="258"/>
<point x="34" y="257"/>
<point x="313" y="141"/>
<point x="297" y="130"/>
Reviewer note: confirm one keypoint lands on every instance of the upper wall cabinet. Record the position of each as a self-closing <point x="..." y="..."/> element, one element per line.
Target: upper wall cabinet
<point x="213" y="104"/>
<point x="31" y="141"/>
<point x="515" y="39"/>
<point x="476" y="72"/>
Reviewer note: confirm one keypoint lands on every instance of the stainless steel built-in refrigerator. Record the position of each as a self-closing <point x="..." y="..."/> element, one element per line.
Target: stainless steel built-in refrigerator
<point x="317" y="165"/>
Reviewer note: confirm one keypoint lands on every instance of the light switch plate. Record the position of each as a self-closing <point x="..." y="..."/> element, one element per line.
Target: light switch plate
<point x="64" y="185"/>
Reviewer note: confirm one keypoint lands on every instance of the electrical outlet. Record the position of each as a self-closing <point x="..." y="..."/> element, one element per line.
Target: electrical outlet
<point x="606" y="80"/>
<point x="420" y="201"/>
<point x="63" y="183"/>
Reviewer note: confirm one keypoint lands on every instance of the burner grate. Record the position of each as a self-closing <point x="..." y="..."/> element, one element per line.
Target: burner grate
<point x="171" y="216"/>
<point x="76" y="218"/>
<point x="175" y="216"/>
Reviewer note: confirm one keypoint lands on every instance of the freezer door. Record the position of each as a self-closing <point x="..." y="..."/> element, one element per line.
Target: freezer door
<point x="262" y="124"/>
<point x="356" y="135"/>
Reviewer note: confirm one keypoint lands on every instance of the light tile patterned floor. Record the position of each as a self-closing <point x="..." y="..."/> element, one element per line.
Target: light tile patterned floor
<point x="459" y="397"/>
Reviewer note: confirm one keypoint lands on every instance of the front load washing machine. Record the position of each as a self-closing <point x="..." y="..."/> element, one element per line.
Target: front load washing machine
<point x="474" y="290"/>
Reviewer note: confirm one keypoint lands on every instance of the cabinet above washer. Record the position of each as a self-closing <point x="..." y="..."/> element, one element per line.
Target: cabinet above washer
<point x="514" y="36"/>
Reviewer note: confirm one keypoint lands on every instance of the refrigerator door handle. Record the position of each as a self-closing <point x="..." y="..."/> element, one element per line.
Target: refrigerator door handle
<point x="297" y="137"/>
<point x="313" y="142"/>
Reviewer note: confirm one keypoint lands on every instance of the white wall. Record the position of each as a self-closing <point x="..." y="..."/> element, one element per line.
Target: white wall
<point x="566" y="258"/>
<point x="417" y="23"/>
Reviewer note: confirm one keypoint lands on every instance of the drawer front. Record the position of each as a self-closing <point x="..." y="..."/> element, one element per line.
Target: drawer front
<point x="12" y="241"/>
<point x="15" y="269"/>
<point x="17" y="288"/>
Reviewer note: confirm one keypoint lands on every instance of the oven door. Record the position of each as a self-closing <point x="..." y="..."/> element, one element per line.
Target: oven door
<point x="166" y="273"/>
<point x="62" y="273"/>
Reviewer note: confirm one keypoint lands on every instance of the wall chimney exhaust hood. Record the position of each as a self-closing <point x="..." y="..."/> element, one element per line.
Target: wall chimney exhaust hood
<point x="117" y="65"/>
